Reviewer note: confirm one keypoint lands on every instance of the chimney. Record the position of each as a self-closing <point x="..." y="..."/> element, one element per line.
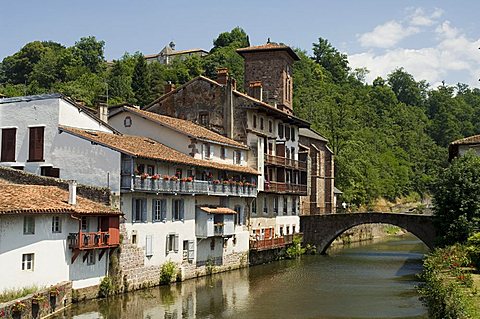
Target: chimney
<point x="255" y="90"/>
<point x="169" y="87"/>
<point x="103" y="112"/>
<point x="72" y="192"/>
<point x="222" y="76"/>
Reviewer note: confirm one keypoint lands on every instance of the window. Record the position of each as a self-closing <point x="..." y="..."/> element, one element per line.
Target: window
<point x="149" y="246"/>
<point x="178" y="210"/>
<point x="288" y="230"/>
<point x="172" y="243"/>
<point x="237" y="159"/>
<point x="50" y="171"/>
<point x="29" y="225"/>
<point x="8" y="144"/>
<point x="56" y="224"/>
<point x="150" y="170"/>
<point x="207" y="151"/>
<point x="84" y="223"/>
<point x="212" y="244"/>
<point x="35" y="148"/>
<point x="178" y="173"/>
<point x="293" y="229"/>
<point x="285" y="203"/>
<point x="265" y="208"/>
<point x="139" y="210"/>
<point x="292" y="133"/>
<point x="280" y="130"/>
<point x="281" y="230"/>
<point x="261" y="123"/>
<point x="238" y="215"/>
<point x="287" y="132"/>
<point x="223" y="152"/>
<point x="270" y="126"/>
<point x="190" y="173"/>
<point x="159" y="207"/>
<point x="254" y="121"/>
<point x="275" y="204"/>
<point x="203" y="118"/>
<point x="294" y="206"/>
<point x="27" y="261"/>
<point x="292" y="153"/>
<point x="140" y="169"/>
<point x="254" y="207"/>
<point x="91" y="257"/>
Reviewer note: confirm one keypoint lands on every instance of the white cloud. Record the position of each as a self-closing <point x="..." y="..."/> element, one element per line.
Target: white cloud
<point x="386" y="35"/>
<point x="452" y="53"/>
<point x="420" y="18"/>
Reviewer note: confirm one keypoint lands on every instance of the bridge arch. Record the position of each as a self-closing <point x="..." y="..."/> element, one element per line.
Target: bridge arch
<point x="322" y="230"/>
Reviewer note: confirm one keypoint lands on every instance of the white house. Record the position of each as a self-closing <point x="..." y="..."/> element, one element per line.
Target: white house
<point x="31" y="141"/>
<point x="48" y="236"/>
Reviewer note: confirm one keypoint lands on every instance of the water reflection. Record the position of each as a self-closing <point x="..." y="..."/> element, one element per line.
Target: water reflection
<point x="366" y="281"/>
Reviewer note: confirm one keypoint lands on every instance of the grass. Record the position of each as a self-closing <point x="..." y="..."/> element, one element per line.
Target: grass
<point x="12" y="294"/>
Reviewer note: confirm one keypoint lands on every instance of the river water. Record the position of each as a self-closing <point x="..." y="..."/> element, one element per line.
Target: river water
<point x="373" y="280"/>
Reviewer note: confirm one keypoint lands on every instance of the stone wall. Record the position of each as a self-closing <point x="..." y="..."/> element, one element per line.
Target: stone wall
<point x="40" y="304"/>
<point x="265" y="256"/>
<point x="97" y="194"/>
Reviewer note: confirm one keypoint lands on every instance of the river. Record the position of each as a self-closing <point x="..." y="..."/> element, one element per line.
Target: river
<point x="373" y="280"/>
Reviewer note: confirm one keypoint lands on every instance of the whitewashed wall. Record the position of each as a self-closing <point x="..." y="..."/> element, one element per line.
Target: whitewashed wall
<point x="52" y="257"/>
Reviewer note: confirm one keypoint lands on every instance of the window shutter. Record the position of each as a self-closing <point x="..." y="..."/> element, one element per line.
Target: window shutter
<point x="173" y="209"/>
<point x="36" y="143"/>
<point x="175" y="244"/>
<point x="182" y="212"/>
<point x="8" y="145"/>
<point x="144" y="210"/>
<point x="153" y="210"/>
<point x="191" y="250"/>
<point x="167" y="240"/>
<point x="134" y="210"/>
<point x="149" y="246"/>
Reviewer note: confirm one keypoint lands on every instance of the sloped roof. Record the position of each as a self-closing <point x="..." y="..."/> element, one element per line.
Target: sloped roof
<point x="186" y="127"/>
<point x="310" y="133"/>
<point x="36" y="199"/>
<point x="475" y="139"/>
<point x="218" y="210"/>
<point x="144" y="147"/>
<point x="269" y="47"/>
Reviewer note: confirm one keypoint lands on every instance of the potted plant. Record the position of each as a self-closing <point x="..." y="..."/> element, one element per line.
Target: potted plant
<point x="166" y="177"/>
<point x="37" y="299"/>
<point x="174" y="178"/>
<point x="54" y="291"/>
<point x="190" y="179"/>
<point x="143" y="176"/>
<point x="18" y="307"/>
<point x="155" y="177"/>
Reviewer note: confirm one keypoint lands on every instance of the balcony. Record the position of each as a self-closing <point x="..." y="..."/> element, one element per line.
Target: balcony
<point x="218" y="229"/>
<point x="272" y="243"/>
<point x="285" y="162"/>
<point x="286" y="188"/>
<point x="149" y="184"/>
<point x="93" y="240"/>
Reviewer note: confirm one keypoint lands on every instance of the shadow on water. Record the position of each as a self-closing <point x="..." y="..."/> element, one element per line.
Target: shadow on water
<point x="374" y="280"/>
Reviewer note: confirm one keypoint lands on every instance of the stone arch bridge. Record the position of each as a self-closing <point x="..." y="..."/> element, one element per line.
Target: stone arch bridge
<point x="322" y="230"/>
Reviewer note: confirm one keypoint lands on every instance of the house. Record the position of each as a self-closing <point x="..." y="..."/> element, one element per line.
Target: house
<point x="31" y="141"/>
<point x="168" y="54"/>
<point x="169" y="198"/>
<point x="263" y="120"/>
<point x="321" y="195"/>
<point x="49" y="235"/>
<point x="461" y="146"/>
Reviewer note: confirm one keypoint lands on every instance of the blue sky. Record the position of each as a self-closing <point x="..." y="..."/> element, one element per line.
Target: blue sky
<point x="433" y="40"/>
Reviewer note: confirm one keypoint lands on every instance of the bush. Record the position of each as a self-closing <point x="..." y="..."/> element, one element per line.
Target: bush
<point x="106" y="288"/>
<point x="168" y="273"/>
<point x="12" y="294"/>
<point x="296" y="249"/>
<point x="473" y="249"/>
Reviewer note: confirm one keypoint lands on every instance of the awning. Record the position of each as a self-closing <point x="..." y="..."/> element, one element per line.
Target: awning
<point x="218" y="210"/>
<point x="336" y="190"/>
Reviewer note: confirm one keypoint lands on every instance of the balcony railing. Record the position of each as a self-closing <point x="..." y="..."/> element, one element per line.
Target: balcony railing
<point x="272" y="243"/>
<point x="185" y="187"/>
<point x="92" y="240"/>
<point x="280" y="187"/>
<point x="287" y="162"/>
<point x="218" y="229"/>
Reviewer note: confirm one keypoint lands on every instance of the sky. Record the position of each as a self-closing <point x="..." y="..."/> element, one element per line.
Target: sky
<point x="434" y="40"/>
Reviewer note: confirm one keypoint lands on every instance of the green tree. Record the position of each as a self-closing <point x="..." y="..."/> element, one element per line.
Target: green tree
<point x="331" y="59"/>
<point x="140" y="81"/>
<point x="90" y="52"/>
<point x="406" y="88"/>
<point x="237" y="37"/>
<point x="456" y="195"/>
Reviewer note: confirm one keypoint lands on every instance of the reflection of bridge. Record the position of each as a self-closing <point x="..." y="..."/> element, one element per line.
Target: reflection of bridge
<point x="322" y="230"/>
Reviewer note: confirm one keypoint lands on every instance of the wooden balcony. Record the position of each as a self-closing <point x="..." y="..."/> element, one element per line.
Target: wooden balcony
<point x="286" y="188"/>
<point x="93" y="240"/>
<point x="285" y="162"/>
<point x="149" y="184"/>
<point x="272" y="243"/>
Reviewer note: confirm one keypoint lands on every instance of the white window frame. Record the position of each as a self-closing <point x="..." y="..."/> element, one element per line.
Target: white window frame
<point x="159" y="210"/>
<point x="92" y="257"/>
<point x="56" y="224"/>
<point x="29" y="225"/>
<point x="28" y="262"/>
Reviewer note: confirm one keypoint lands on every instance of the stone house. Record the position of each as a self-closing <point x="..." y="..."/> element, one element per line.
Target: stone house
<point x="263" y="120"/>
<point x="461" y="146"/>
<point x="49" y="235"/>
<point x="168" y="54"/>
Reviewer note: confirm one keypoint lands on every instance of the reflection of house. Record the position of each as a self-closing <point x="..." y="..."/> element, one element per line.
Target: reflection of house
<point x="224" y="185"/>
<point x="168" y="54"/>
<point x="262" y="119"/>
<point x="320" y="173"/>
<point x="50" y="235"/>
<point x="460" y="147"/>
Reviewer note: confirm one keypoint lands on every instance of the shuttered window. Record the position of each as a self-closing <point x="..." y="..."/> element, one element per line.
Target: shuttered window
<point x="35" y="149"/>
<point x="8" y="144"/>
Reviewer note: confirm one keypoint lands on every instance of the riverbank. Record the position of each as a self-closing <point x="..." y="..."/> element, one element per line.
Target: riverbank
<point x="367" y="232"/>
<point x="451" y="285"/>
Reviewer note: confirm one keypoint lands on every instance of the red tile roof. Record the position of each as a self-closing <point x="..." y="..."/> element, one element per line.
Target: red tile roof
<point x="218" y="210"/>
<point x="186" y="127"/>
<point x="35" y="199"/>
<point x="144" y="147"/>
<point x="269" y="47"/>
<point x="475" y="139"/>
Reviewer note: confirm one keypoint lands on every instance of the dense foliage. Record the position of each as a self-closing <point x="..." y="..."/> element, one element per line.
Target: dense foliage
<point x="389" y="137"/>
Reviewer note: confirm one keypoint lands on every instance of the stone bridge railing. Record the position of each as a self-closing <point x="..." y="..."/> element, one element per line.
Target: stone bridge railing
<point x="322" y="230"/>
